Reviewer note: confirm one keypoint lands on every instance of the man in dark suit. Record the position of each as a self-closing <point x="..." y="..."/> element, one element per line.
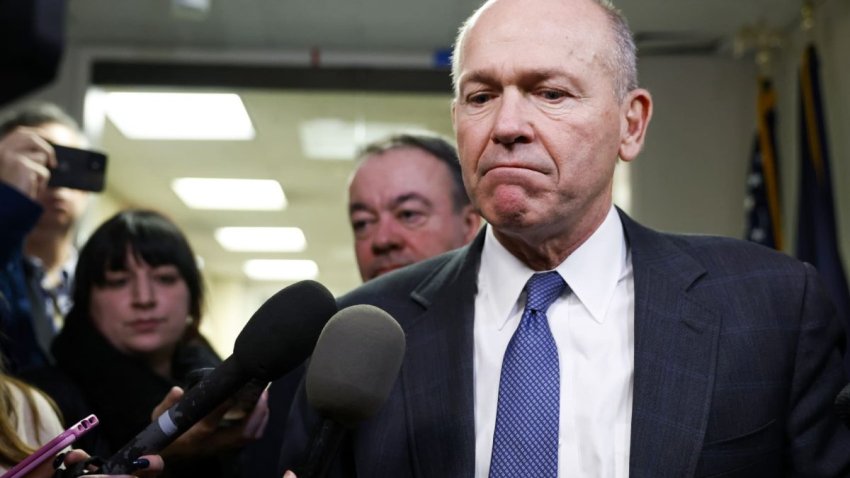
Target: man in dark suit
<point x="568" y="340"/>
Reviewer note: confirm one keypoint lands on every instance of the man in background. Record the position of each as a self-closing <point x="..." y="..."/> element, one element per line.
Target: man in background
<point x="37" y="253"/>
<point x="406" y="203"/>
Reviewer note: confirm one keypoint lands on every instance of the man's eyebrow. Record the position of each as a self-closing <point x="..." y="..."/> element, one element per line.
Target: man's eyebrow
<point x="357" y="207"/>
<point x="536" y="76"/>
<point x="396" y="201"/>
<point x="403" y="198"/>
<point x="479" y="76"/>
<point x="487" y="77"/>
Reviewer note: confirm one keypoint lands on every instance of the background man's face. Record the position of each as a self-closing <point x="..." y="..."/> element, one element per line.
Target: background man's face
<point x="401" y="211"/>
<point x="62" y="206"/>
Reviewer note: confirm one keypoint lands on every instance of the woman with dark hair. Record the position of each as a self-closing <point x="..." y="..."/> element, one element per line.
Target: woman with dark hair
<point x="131" y="336"/>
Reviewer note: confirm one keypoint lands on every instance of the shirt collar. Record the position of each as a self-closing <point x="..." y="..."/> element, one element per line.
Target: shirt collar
<point x="66" y="271"/>
<point x="592" y="271"/>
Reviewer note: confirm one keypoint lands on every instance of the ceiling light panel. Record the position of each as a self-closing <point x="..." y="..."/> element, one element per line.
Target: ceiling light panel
<point x="179" y="116"/>
<point x="230" y="194"/>
<point x="261" y="239"/>
<point x="339" y="139"/>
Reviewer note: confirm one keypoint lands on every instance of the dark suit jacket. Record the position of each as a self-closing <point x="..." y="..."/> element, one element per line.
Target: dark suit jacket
<point x="737" y="362"/>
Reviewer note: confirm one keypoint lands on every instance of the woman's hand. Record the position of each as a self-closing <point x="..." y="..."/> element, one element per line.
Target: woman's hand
<point x="149" y="466"/>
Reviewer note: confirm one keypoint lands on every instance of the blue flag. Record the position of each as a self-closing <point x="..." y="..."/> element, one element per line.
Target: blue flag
<point x="764" y="212"/>
<point x="817" y="239"/>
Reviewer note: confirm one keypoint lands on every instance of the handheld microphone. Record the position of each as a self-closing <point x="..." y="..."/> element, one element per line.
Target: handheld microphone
<point x="350" y="375"/>
<point x="278" y="337"/>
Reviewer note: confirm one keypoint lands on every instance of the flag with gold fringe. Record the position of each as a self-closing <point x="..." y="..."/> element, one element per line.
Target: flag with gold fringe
<point x="764" y="212"/>
<point x="817" y="238"/>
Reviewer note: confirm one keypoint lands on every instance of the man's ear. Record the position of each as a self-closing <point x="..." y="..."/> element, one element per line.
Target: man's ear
<point x="635" y="116"/>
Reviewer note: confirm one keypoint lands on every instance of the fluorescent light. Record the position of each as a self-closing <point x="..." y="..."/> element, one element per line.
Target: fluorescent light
<point x="224" y="193"/>
<point x="198" y="116"/>
<point x="261" y="239"/>
<point x="281" y="269"/>
<point x="334" y="138"/>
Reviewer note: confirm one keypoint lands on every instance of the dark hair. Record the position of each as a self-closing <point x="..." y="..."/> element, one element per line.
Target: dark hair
<point x="36" y="115"/>
<point x="433" y="145"/>
<point x="150" y="236"/>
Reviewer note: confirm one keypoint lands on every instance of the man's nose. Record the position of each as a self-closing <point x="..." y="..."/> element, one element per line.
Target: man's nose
<point x="512" y="122"/>
<point x="386" y="237"/>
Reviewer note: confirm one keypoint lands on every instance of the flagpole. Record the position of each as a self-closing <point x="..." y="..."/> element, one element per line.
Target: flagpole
<point x="763" y="201"/>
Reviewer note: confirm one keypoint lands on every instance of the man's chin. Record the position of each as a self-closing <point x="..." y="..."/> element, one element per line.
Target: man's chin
<point x="54" y="220"/>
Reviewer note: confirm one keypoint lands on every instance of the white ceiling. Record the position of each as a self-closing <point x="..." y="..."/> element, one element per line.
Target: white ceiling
<point x="140" y="171"/>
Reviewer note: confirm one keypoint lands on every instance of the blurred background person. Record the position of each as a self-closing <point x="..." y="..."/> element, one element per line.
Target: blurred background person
<point x="132" y="336"/>
<point x="407" y="202"/>
<point x="37" y="253"/>
<point x="28" y="420"/>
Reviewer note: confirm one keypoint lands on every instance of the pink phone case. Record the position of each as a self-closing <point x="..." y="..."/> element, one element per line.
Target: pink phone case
<point x="54" y="446"/>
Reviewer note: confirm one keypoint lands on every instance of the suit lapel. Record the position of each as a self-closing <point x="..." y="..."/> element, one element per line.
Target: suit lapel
<point x="437" y="375"/>
<point x="676" y="341"/>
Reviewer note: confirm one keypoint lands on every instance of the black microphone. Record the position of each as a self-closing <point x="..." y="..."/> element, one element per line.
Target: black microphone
<point x="350" y="375"/>
<point x="842" y="405"/>
<point x="278" y="337"/>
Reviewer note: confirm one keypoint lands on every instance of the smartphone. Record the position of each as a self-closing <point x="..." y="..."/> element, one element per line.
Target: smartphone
<point x="78" y="169"/>
<point x="54" y="446"/>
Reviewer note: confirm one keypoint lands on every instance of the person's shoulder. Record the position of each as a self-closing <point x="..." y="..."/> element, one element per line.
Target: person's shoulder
<point x="400" y="283"/>
<point x="713" y="253"/>
<point x="728" y="252"/>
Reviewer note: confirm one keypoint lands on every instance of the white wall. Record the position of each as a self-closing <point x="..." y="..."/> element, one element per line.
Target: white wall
<point x="690" y="176"/>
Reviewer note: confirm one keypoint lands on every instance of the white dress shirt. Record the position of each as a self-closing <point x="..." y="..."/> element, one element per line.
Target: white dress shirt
<point x="593" y="327"/>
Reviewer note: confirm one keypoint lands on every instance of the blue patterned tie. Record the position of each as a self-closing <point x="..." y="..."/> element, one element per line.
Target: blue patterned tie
<point x="525" y="442"/>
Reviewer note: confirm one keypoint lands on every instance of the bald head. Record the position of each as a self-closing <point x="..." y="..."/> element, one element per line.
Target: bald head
<point x="621" y="57"/>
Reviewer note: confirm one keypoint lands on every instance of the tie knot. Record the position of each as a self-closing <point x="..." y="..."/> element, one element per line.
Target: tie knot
<point x="543" y="289"/>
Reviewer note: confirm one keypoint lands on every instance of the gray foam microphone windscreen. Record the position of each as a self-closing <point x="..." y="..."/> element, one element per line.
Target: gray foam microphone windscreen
<point x="355" y="363"/>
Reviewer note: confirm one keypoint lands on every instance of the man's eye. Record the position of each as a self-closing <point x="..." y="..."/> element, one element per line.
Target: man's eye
<point x="358" y="225"/>
<point x="410" y="216"/>
<point x="552" y="95"/>
<point x="478" y="98"/>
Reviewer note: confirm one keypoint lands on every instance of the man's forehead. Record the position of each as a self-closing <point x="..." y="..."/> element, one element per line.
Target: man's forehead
<point x="506" y="21"/>
<point x="387" y="180"/>
<point x="549" y="40"/>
